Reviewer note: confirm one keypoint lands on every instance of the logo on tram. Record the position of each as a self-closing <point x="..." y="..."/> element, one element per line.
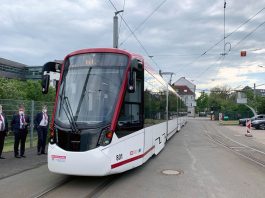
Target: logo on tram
<point x="135" y="151"/>
<point x="58" y="158"/>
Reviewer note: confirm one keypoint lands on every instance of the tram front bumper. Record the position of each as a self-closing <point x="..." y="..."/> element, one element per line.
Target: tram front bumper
<point x="89" y="163"/>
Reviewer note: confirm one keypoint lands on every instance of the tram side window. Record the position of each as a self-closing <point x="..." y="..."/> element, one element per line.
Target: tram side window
<point x="130" y="118"/>
<point x="155" y="101"/>
<point x="172" y="106"/>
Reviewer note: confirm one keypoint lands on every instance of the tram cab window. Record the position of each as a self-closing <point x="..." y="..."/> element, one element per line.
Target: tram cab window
<point x="131" y="114"/>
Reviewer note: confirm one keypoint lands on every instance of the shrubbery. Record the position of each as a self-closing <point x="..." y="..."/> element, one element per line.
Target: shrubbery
<point x="24" y="90"/>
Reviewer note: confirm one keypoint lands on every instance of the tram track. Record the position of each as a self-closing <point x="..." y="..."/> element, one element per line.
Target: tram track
<point x="53" y="187"/>
<point x="100" y="189"/>
<point x="251" y="153"/>
<point x="89" y="190"/>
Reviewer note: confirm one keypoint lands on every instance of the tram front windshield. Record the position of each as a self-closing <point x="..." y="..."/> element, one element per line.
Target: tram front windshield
<point x="89" y="89"/>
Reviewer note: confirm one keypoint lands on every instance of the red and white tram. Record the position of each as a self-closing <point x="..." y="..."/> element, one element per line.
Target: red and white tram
<point x="112" y="113"/>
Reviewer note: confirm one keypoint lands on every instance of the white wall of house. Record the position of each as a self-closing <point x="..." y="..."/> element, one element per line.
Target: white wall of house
<point x="189" y="100"/>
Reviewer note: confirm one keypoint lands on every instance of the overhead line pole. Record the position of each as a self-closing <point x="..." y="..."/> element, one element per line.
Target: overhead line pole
<point x="224" y="26"/>
<point x="115" y="30"/>
<point x="139" y="42"/>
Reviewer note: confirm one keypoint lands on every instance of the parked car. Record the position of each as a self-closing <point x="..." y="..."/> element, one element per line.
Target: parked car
<point x="258" y="124"/>
<point x="243" y="121"/>
<point x="257" y="117"/>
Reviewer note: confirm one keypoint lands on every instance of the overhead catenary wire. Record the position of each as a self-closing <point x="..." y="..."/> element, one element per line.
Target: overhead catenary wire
<point x="143" y="22"/>
<point x="260" y="85"/>
<point x="218" y="59"/>
<point x="123" y="7"/>
<point x="223" y="39"/>
<point x="139" y="42"/>
<point x="235" y="30"/>
<point x="249" y="19"/>
<point x="245" y="37"/>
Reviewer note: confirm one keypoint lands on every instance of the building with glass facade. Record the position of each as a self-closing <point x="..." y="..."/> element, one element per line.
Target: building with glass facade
<point x="15" y="70"/>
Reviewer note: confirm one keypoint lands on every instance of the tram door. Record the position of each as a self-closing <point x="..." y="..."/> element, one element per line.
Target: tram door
<point x="131" y="113"/>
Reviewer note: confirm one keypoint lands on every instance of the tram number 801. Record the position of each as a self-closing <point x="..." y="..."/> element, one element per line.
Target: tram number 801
<point x="118" y="157"/>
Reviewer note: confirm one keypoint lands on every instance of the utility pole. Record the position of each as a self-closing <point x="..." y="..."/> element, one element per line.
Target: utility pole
<point x="115" y="30"/>
<point x="224" y="25"/>
<point x="254" y="92"/>
<point x="225" y="43"/>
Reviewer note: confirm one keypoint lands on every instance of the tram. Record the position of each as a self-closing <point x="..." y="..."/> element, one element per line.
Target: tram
<point x="112" y="112"/>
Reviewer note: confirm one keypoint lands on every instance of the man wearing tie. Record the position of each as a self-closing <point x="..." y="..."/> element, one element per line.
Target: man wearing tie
<point x="19" y="124"/>
<point x="3" y="130"/>
<point x="41" y="123"/>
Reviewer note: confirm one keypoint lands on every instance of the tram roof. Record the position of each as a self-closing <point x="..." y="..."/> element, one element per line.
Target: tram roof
<point x="107" y="50"/>
<point x="147" y="66"/>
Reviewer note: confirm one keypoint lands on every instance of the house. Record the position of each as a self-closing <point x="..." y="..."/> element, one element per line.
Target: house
<point x="258" y="92"/>
<point x="186" y="90"/>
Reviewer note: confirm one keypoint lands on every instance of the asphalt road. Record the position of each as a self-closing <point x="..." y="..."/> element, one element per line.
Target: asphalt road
<point x="210" y="165"/>
<point x="208" y="169"/>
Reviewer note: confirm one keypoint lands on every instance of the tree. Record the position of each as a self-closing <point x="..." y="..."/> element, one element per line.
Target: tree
<point x="219" y="98"/>
<point x="223" y="100"/>
<point x="24" y="90"/>
<point x="202" y="102"/>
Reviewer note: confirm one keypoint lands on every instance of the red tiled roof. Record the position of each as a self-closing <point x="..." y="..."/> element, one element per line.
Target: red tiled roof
<point x="182" y="90"/>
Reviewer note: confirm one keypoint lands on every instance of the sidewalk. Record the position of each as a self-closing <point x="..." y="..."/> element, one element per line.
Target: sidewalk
<point x="11" y="165"/>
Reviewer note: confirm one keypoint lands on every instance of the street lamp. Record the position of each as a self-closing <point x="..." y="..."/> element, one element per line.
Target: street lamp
<point x="115" y="29"/>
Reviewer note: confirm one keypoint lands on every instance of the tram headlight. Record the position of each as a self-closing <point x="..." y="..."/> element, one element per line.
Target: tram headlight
<point x="105" y="137"/>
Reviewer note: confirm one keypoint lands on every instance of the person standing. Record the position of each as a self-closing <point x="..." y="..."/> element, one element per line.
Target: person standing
<point x="3" y="130"/>
<point x="19" y="124"/>
<point x="41" y="122"/>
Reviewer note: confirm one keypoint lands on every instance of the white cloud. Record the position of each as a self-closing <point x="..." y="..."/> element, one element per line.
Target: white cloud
<point x="33" y="32"/>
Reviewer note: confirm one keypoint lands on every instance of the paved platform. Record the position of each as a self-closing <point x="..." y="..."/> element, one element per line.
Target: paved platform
<point x="11" y="165"/>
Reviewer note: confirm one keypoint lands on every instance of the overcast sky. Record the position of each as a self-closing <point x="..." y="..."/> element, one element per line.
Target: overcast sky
<point x="174" y="32"/>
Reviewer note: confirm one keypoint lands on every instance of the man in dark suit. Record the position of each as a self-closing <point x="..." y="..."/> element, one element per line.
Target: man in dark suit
<point x="3" y="130"/>
<point x="41" y="123"/>
<point x="19" y="124"/>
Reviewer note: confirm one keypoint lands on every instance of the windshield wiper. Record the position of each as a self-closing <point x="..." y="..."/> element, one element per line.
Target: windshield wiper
<point x="69" y="114"/>
<point x="83" y="93"/>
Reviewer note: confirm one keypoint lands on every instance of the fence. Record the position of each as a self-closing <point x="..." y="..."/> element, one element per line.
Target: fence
<point x="10" y="107"/>
<point x="233" y="115"/>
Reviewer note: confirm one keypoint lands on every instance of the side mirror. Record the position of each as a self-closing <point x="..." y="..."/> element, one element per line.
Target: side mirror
<point x="136" y="65"/>
<point x="46" y="69"/>
<point x="132" y="82"/>
<point x="45" y="83"/>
